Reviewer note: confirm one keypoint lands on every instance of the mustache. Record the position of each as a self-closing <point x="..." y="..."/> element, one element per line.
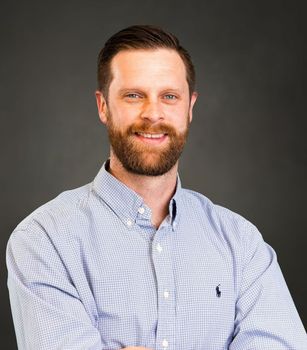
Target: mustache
<point x="147" y="127"/>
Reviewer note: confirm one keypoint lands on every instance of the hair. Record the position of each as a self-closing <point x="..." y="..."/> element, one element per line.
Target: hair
<point x="139" y="37"/>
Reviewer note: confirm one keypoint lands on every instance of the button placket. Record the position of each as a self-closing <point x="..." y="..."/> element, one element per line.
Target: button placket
<point x="163" y="264"/>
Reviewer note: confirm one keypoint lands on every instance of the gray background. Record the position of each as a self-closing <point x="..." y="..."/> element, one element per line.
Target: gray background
<point x="246" y="149"/>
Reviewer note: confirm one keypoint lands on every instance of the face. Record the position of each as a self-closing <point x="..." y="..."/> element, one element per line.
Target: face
<point x="148" y="111"/>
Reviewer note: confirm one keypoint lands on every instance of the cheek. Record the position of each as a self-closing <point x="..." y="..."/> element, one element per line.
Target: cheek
<point x="125" y="114"/>
<point x="179" y="109"/>
<point x="179" y="117"/>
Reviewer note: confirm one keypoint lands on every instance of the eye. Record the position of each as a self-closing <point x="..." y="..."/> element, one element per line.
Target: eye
<point x="170" y="97"/>
<point x="133" y="96"/>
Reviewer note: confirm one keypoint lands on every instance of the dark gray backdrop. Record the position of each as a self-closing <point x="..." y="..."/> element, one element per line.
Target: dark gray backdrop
<point x="246" y="149"/>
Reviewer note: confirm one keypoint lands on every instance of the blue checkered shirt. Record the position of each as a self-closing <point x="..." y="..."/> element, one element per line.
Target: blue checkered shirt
<point x="88" y="270"/>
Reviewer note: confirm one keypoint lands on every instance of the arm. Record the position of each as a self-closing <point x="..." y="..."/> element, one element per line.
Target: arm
<point x="47" y="310"/>
<point x="266" y="317"/>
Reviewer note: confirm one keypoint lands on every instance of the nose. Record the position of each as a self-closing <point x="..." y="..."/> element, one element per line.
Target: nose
<point x="152" y="111"/>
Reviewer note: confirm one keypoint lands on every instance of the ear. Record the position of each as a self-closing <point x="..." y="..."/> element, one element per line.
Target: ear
<point x="101" y="106"/>
<point x="193" y="100"/>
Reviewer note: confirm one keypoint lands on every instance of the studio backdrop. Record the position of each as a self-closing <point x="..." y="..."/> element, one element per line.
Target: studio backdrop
<point x="246" y="148"/>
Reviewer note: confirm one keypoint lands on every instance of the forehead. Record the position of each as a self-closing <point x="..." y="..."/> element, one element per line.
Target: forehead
<point x="148" y="67"/>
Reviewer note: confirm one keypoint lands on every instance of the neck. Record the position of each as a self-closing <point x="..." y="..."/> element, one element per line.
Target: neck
<point x="156" y="191"/>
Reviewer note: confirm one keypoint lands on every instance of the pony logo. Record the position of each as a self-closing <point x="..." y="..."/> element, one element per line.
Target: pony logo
<point x="218" y="291"/>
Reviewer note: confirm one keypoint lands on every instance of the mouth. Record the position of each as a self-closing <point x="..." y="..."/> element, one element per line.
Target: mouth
<point x="153" y="138"/>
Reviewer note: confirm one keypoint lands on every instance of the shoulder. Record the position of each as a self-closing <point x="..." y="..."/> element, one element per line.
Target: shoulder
<point x="231" y="225"/>
<point x="42" y="244"/>
<point x="54" y="215"/>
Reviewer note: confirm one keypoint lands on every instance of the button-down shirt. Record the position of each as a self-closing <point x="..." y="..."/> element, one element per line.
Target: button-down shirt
<point x="88" y="270"/>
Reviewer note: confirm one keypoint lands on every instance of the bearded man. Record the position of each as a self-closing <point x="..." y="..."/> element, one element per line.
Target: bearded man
<point x="132" y="260"/>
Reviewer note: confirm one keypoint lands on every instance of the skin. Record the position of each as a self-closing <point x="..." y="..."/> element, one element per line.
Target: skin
<point x="151" y="85"/>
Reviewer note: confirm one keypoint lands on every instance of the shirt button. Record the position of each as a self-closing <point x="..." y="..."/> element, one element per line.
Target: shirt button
<point x="165" y="343"/>
<point x="159" y="248"/>
<point x="129" y="222"/>
<point x="166" y="294"/>
<point x="141" y="210"/>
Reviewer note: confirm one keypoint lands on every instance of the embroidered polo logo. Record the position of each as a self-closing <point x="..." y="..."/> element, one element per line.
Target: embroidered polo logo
<point x="218" y="291"/>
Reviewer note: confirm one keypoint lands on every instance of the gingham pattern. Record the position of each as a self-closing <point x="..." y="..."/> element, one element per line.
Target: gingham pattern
<point x="88" y="271"/>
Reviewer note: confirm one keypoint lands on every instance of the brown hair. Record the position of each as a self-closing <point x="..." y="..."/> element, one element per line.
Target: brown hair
<point x="140" y="37"/>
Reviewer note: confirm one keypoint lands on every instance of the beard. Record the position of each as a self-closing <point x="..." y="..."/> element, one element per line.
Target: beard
<point x="141" y="158"/>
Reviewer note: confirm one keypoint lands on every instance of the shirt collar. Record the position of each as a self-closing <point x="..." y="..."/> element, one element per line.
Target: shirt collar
<point x="126" y="203"/>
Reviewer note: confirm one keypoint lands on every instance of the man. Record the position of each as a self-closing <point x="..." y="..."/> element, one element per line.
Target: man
<point x="133" y="260"/>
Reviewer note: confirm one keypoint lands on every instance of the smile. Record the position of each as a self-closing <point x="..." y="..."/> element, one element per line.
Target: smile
<point x="150" y="136"/>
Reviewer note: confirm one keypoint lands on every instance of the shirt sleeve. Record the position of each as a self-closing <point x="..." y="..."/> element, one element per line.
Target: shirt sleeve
<point x="46" y="308"/>
<point x="266" y="317"/>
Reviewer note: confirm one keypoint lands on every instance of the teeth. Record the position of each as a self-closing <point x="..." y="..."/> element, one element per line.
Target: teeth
<point x="151" y="136"/>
